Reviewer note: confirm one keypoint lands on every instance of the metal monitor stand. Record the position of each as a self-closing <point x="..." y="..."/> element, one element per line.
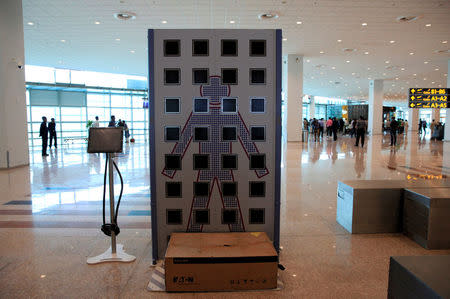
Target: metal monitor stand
<point x="115" y="253"/>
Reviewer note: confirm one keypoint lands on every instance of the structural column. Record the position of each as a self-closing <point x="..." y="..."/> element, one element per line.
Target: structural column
<point x="312" y="107"/>
<point x="413" y="119"/>
<point x="13" y="116"/>
<point x="375" y="106"/>
<point x="294" y="91"/>
<point x="447" y="115"/>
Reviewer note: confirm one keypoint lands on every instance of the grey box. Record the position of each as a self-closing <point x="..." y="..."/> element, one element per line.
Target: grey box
<point x="375" y="206"/>
<point x="419" y="277"/>
<point x="426" y="217"/>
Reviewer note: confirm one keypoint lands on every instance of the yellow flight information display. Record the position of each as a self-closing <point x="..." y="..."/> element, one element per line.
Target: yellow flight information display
<point x="428" y="97"/>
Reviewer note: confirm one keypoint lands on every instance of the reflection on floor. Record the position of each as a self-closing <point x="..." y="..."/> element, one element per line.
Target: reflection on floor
<point x="50" y="214"/>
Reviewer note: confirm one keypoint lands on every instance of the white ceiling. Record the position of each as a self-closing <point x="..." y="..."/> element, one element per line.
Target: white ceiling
<point x="90" y="46"/>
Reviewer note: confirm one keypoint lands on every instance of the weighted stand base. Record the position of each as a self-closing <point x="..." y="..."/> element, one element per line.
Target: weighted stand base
<point x="108" y="256"/>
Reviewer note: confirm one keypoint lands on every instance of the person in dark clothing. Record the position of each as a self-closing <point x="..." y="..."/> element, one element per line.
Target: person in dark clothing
<point x="341" y="125"/>
<point x="394" y="129"/>
<point x="112" y="122"/>
<point x="52" y="131"/>
<point x="361" y="129"/>
<point x="335" y="128"/>
<point x="43" y="132"/>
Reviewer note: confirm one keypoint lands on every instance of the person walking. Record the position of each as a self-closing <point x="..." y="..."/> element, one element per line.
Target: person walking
<point x="329" y="124"/>
<point x="112" y="122"/>
<point x="335" y="128"/>
<point x="126" y="131"/>
<point x="321" y="127"/>
<point x="433" y="127"/>
<point x="424" y="127"/>
<point x="43" y="133"/>
<point x="406" y="125"/>
<point x="420" y="126"/>
<point x="96" y="123"/>
<point x="394" y="129"/>
<point x="52" y="131"/>
<point x="361" y="129"/>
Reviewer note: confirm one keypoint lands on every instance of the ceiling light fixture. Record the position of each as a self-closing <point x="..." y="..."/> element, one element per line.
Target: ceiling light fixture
<point x="164" y="21"/>
<point x="426" y="62"/>
<point x="117" y="39"/>
<point x="97" y="23"/>
<point x="132" y="51"/>
<point x="268" y="16"/>
<point x="436" y="69"/>
<point x="414" y="75"/>
<point x="284" y="39"/>
<point x="411" y="53"/>
<point x="63" y="40"/>
<point x="125" y="16"/>
<point x="348" y="61"/>
<point x="299" y="22"/>
<point x="307" y="60"/>
<point x="231" y="22"/>
<point x="392" y="41"/>
<point x="364" y="24"/>
<point x="333" y="67"/>
<point x="366" y="53"/>
<point x="339" y="40"/>
<point x="387" y="61"/>
<point x="402" y="68"/>
<point x="30" y="23"/>
<point x="428" y="25"/>
<point x="444" y="41"/>
<point x="321" y="52"/>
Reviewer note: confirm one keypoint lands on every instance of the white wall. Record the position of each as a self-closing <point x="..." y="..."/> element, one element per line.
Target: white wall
<point x="13" y="118"/>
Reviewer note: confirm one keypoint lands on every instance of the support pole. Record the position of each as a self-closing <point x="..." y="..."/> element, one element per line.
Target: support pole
<point x="111" y="200"/>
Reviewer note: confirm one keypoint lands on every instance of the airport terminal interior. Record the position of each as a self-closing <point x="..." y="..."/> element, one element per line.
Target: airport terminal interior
<point x="331" y="74"/>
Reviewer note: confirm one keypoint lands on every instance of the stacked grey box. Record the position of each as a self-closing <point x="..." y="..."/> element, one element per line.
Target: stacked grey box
<point x="419" y="277"/>
<point x="426" y="217"/>
<point x="375" y="206"/>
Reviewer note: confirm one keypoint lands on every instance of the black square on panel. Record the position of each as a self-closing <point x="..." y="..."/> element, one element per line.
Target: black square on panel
<point x="257" y="189"/>
<point x="200" y="105"/>
<point x="257" y="161"/>
<point x="173" y="162"/>
<point x="201" y="216"/>
<point x="201" y="134"/>
<point x="201" y="189"/>
<point x="172" y="133"/>
<point x="229" y="105"/>
<point x="171" y="76"/>
<point x="200" y="76"/>
<point x="201" y="161"/>
<point x="229" y="189"/>
<point x="256" y="216"/>
<point x="258" y="133"/>
<point x="229" y="76"/>
<point x="229" y="161"/>
<point x="200" y="47"/>
<point x="229" y="47"/>
<point x="172" y="105"/>
<point x="229" y="134"/>
<point x="174" y="217"/>
<point x="257" y="76"/>
<point x="258" y="48"/>
<point x="229" y="216"/>
<point x="172" y="47"/>
<point x="257" y="105"/>
<point x="173" y="189"/>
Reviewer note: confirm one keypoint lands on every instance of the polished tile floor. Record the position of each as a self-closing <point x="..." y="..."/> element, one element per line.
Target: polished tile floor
<point x="50" y="214"/>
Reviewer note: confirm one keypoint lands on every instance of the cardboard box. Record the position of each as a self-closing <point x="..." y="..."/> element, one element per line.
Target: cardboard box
<point x="220" y="262"/>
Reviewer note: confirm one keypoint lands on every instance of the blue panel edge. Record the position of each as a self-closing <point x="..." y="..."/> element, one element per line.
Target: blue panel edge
<point x="151" y="110"/>
<point x="276" y="233"/>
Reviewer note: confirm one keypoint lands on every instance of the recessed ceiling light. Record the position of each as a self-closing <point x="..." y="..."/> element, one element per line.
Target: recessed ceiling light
<point x="368" y="68"/>
<point x="353" y="74"/>
<point x="444" y="42"/>
<point x="284" y="39"/>
<point x="424" y="78"/>
<point x="231" y="22"/>
<point x="414" y="75"/>
<point x="268" y="16"/>
<point x="63" y="40"/>
<point x="125" y="16"/>
<point x="392" y="41"/>
<point x="333" y="67"/>
<point x="164" y="21"/>
<point x="440" y="85"/>
<point x="445" y="75"/>
<point x="117" y="39"/>
<point x="387" y="61"/>
<point x="97" y="23"/>
<point x="366" y="53"/>
<point x="339" y="40"/>
<point x="384" y="74"/>
<point x="369" y="78"/>
<point x="30" y="23"/>
<point x="428" y="25"/>
<point x="299" y="22"/>
<point x="411" y="53"/>
<point x="364" y="24"/>
<point x="432" y="82"/>
<point x="396" y="78"/>
<point x="436" y="69"/>
<point x="402" y="68"/>
<point x="348" y="61"/>
<point x="132" y="51"/>
<point x="321" y="52"/>
<point x="426" y="62"/>
<point x="307" y="60"/>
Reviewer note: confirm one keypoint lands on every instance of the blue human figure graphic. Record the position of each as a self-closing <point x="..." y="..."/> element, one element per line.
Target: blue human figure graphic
<point x="215" y="147"/>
